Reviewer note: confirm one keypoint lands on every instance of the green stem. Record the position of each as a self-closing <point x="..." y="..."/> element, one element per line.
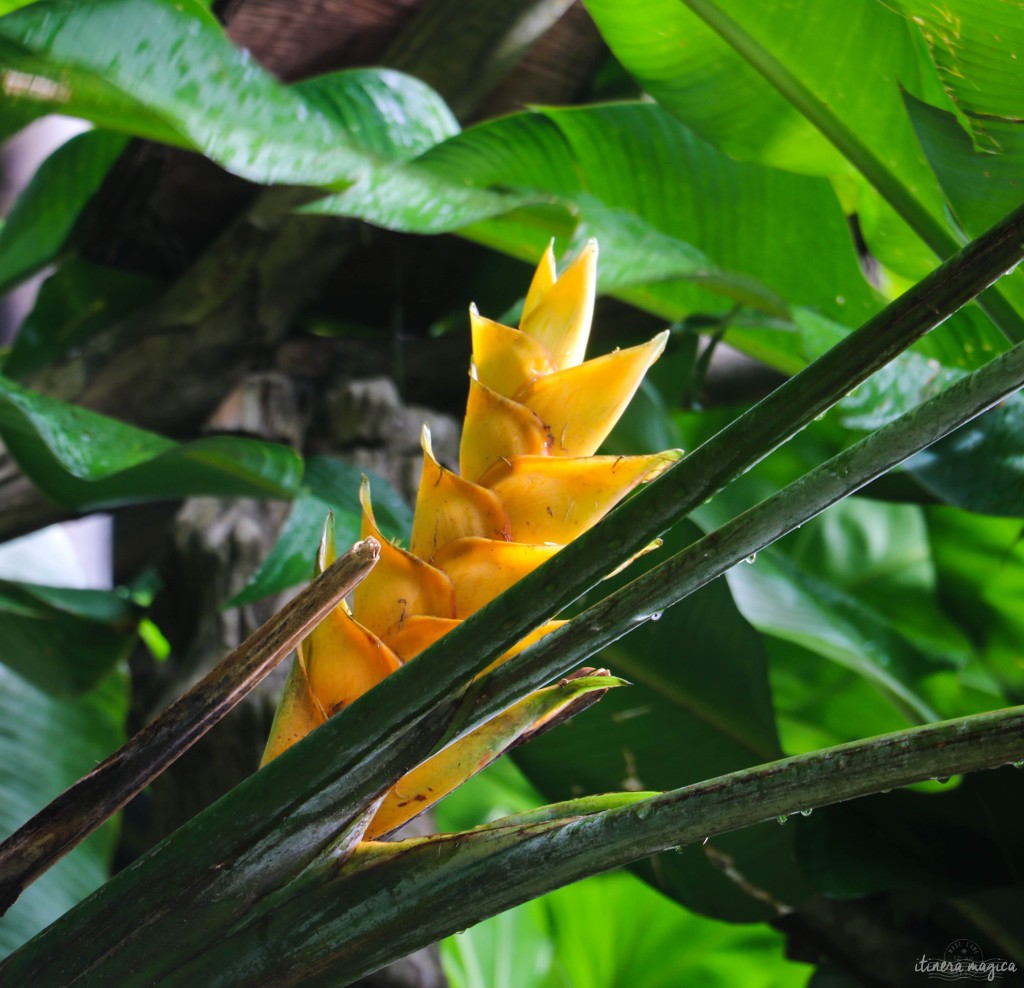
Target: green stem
<point x="747" y="534"/>
<point x="340" y="923"/>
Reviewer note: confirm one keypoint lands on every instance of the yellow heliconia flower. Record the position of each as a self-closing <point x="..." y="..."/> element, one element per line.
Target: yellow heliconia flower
<point x="528" y="483"/>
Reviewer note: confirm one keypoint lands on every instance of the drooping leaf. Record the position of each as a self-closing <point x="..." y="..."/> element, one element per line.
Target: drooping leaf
<point x="786" y="82"/>
<point x="167" y="71"/>
<point x="82" y="459"/>
<point x="780" y="598"/>
<point x="47" y="210"/>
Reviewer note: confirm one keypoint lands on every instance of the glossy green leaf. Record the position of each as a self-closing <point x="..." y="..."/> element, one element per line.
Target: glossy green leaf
<point x="78" y="301"/>
<point x="46" y="744"/>
<point x="42" y="219"/>
<point x="167" y="71"/>
<point x="64" y="641"/>
<point x="383" y="111"/>
<point x="82" y="459"/>
<point x="329" y="485"/>
<point x="817" y="74"/>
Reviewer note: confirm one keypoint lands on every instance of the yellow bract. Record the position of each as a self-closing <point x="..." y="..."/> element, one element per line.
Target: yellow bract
<point x="528" y="484"/>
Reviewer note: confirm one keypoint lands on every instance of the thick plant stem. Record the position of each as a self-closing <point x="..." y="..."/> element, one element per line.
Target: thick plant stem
<point x="743" y="537"/>
<point x="360" y="924"/>
<point x="83" y="807"/>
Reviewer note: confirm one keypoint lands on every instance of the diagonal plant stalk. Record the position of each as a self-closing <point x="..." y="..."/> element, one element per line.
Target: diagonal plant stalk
<point x="342" y="919"/>
<point x="208" y="876"/>
<point x="885" y="181"/>
<point x="360" y="925"/>
<point x="82" y="808"/>
<point x="218" y="867"/>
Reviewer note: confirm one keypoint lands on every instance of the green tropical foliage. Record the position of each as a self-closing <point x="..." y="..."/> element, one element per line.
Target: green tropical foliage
<point x="761" y="179"/>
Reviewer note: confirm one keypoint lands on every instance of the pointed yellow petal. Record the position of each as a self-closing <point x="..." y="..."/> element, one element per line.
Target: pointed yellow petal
<point x="561" y="318"/>
<point x="555" y="498"/>
<point x="448" y="507"/>
<point x="580" y="406"/>
<point x="480" y="569"/>
<point x="419" y="632"/>
<point x="543" y="279"/>
<point x="328" y="551"/>
<point x="506" y="360"/>
<point x="399" y="586"/>
<point x="344" y="660"/>
<point x="461" y="760"/>
<point x="297" y="714"/>
<point x="496" y="428"/>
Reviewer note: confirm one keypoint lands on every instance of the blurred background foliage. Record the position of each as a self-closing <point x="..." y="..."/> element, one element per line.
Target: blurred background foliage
<point x="246" y="283"/>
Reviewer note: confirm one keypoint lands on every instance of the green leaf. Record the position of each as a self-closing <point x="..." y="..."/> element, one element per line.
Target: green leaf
<point x="839" y="71"/>
<point x="616" y="168"/>
<point x="82" y="459"/>
<point x="975" y="45"/>
<point x="383" y="111"/>
<point x="42" y="219"/>
<point x="980" y="186"/>
<point x="980" y="570"/>
<point x="168" y="72"/>
<point x="330" y="484"/>
<point x="787" y="598"/>
<point x="74" y="304"/>
<point x="48" y="743"/>
<point x="64" y="641"/>
<point x="657" y="945"/>
<point x="981" y="465"/>
<point x="693" y="73"/>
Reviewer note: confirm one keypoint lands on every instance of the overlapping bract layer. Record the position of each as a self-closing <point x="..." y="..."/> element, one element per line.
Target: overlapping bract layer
<point x="528" y="484"/>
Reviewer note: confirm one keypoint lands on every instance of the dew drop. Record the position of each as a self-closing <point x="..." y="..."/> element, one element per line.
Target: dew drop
<point x="784" y="818"/>
<point x="752" y="558"/>
<point x="807" y="812"/>
<point x="656" y="616"/>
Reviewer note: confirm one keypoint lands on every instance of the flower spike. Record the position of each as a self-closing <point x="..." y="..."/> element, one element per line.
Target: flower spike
<point x="528" y="484"/>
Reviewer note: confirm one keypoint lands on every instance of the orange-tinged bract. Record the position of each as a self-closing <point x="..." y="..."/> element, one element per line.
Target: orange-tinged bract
<point x="528" y="483"/>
